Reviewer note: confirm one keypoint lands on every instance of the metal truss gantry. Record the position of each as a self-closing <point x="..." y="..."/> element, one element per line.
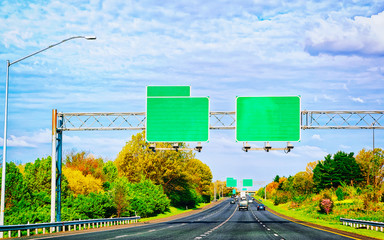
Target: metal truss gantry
<point x="219" y="120"/>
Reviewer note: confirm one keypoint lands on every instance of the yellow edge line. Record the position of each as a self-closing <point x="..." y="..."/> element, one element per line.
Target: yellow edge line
<point x="317" y="228"/>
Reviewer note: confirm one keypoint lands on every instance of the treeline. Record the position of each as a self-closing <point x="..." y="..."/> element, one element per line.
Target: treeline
<point x="343" y="175"/>
<point x="138" y="182"/>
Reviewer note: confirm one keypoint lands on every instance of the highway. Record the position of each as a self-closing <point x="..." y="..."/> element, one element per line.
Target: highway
<point x="223" y="221"/>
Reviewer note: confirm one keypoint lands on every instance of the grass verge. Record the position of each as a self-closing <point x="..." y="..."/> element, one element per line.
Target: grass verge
<point x="300" y="215"/>
<point x="172" y="211"/>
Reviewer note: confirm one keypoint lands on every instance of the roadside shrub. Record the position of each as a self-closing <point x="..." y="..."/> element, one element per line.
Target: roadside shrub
<point x="281" y="197"/>
<point x="299" y="199"/>
<point x="326" y="203"/>
<point x="340" y="194"/>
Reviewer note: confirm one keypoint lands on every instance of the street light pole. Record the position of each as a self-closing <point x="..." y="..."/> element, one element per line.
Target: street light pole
<point x="6" y="121"/>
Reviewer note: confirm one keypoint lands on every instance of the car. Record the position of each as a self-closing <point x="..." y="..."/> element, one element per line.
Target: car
<point x="243" y="205"/>
<point x="232" y="201"/>
<point x="250" y="201"/>
<point x="260" y="207"/>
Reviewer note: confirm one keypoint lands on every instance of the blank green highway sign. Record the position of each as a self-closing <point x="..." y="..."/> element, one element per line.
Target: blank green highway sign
<point x="247" y="183"/>
<point x="231" y="182"/>
<point x="168" y="91"/>
<point x="177" y="119"/>
<point x="268" y="119"/>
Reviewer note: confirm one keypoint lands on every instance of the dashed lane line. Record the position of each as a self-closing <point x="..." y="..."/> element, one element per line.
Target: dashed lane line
<point x="218" y="226"/>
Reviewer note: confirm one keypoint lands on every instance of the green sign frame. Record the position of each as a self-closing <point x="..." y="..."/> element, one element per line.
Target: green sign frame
<point x="247" y="183"/>
<point x="177" y="119"/>
<point x="231" y="182"/>
<point x="168" y="91"/>
<point x="268" y="119"/>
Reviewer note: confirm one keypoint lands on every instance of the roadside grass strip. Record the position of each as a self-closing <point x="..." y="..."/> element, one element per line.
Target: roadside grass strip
<point x="326" y="227"/>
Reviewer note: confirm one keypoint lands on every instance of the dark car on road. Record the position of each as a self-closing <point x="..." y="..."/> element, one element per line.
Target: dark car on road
<point x="232" y="201"/>
<point x="243" y="205"/>
<point x="260" y="207"/>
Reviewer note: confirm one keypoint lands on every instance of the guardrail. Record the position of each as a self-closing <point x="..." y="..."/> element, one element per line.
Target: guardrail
<point x="363" y="224"/>
<point x="66" y="226"/>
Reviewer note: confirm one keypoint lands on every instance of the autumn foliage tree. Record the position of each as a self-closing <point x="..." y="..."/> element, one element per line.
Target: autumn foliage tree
<point x="184" y="179"/>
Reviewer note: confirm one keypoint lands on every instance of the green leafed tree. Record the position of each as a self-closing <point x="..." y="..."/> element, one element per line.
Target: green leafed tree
<point x="148" y="199"/>
<point x="331" y="172"/>
<point x="37" y="175"/>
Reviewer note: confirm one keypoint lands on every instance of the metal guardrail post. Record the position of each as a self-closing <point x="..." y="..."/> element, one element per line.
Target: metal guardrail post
<point x="61" y="225"/>
<point x="362" y="223"/>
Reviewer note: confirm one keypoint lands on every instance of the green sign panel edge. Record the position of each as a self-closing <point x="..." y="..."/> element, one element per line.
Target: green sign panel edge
<point x="247" y="183"/>
<point x="168" y="91"/>
<point x="231" y="182"/>
<point x="269" y="140"/>
<point x="206" y="139"/>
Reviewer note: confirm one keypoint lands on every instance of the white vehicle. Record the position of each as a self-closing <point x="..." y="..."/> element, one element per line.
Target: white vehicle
<point x="242" y="194"/>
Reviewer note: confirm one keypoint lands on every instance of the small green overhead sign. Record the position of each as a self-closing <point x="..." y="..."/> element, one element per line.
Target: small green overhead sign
<point x="268" y="119"/>
<point x="168" y="91"/>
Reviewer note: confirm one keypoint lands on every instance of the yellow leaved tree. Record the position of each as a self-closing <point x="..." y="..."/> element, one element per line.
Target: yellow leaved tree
<point x="80" y="184"/>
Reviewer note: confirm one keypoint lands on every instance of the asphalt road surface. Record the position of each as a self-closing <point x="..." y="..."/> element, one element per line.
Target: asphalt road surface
<point x="223" y="221"/>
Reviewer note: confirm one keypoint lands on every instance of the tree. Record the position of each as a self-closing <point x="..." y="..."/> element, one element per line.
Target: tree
<point x="37" y="175"/>
<point x="166" y="168"/>
<point x="148" y="199"/>
<point x="333" y="171"/>
<point x="302" y="183"/>
<point x="276" y="179"/>
<point x="371" y="166"/>
<point x="91" y="206"/>
<point x="110" y="171"/>
<point x="310" y="167"/>
<point x="121" y="195"/>
<point x="80" y="184"/>
<point x="201" y="176"/>
<point x="86" y="163"/>
<point x="15" y="188"/>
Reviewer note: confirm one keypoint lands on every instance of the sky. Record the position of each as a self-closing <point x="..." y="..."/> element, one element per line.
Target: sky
<point x="331" y="53"/>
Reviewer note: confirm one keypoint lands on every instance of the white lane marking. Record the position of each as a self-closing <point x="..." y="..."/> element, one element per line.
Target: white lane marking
<point x="221" y="224"/>
<point x="122" y="236"/>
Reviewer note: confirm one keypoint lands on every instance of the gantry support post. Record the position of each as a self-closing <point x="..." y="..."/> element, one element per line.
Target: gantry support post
<point x="53" y="169"/>
<point x="59" y="155"/>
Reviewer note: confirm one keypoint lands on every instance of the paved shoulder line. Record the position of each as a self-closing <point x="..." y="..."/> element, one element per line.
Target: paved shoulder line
<point x="116" y="227"/>
<point x="185" y="214"/>
<point x="323" y="228"/>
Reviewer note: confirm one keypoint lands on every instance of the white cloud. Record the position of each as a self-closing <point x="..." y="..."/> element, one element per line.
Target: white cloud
<point x="344" y="146"/>
<point x="33" y="141"/>
<point x="311" y="151"/>
<point x="358" y="36"/>
<point x="316" y="137"/>
<point x="329" y="98"/>
<point x="357" y="99"/>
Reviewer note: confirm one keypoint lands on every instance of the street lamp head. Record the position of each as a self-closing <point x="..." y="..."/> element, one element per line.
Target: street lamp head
<point x="90" y="37"/>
